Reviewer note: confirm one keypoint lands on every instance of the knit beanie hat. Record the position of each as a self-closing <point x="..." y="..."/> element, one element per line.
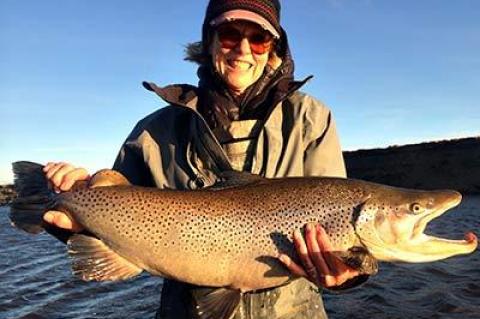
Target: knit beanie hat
<point x="265" y="13"/>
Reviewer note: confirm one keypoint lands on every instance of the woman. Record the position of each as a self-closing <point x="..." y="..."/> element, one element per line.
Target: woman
<point x="246" y="114"/>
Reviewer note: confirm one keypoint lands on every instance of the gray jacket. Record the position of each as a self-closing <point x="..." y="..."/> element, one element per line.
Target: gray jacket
<point x="174" y="148"/>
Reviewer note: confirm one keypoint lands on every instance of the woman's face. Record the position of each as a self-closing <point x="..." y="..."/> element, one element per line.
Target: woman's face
<point x="232" y="54"/>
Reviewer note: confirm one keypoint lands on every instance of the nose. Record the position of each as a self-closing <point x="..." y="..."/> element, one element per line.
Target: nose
<point x="244" y="46"/>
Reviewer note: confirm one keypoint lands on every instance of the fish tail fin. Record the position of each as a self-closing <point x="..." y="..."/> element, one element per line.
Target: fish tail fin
<point x="34" y="197"/>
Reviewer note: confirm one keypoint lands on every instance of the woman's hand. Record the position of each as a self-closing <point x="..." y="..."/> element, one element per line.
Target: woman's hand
<point x="320" y="266"/>
<point x="63" y="176"/>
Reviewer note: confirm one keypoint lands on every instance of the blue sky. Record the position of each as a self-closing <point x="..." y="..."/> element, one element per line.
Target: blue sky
<point x="393" y="72"/>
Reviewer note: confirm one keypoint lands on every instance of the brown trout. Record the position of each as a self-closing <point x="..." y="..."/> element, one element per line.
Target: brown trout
<point x="229" y="235"/>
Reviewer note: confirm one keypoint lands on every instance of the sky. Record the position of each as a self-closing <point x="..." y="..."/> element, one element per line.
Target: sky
<point x="392" y="72"/>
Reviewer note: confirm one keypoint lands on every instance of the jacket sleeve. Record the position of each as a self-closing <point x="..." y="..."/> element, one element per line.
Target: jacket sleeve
<point x="130" y="163"/>
<point x="323" y="154"/>
<point x="130" y="160"/>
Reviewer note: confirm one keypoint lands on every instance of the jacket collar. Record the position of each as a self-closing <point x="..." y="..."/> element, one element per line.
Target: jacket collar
<point x="176" y="94"/>
<point x="187" y="95"/>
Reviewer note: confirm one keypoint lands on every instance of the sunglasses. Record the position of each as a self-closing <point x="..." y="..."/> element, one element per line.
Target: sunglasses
<point x="229" y="37"/>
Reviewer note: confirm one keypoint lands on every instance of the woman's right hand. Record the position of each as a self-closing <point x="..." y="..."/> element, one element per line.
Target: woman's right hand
<point x="63" y="176"/>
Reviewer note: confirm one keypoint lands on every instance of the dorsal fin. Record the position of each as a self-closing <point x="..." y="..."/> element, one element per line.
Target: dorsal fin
<point x="215" y="303"/>
<point x="108" y="177"/>
<point x="235" y="178"/>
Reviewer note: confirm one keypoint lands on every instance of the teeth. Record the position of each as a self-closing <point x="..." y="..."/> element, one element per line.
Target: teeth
<point x="241" y="65"/>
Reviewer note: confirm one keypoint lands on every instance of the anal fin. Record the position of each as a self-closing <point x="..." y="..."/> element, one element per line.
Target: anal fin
<point x="215" y="303"/>
<point x="93" y="260"/>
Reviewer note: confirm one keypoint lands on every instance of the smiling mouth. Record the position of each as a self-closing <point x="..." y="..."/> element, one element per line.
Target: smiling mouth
<point x="239" y="65"/>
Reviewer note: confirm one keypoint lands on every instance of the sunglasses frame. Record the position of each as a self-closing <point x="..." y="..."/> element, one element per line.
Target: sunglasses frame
<point x="236" y="37"/>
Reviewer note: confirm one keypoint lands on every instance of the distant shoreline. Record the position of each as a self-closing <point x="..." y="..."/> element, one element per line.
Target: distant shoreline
<point x="7" y="193"/>
<point x="449" y="164"/>
<point x="452" y="164"/>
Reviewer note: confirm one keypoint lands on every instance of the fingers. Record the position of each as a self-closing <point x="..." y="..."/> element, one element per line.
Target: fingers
<point x="51" y="168"/>
<point x="319" y="263"/>
<point x="78" y="174"/>
<point x="303" y="253"/>
<point x="62" y="220"/>
<point x="326" y="247"/>
<point x="294" y="268"/>
<point x="339" y="271"/>
<point x="63" y="175"/>
<point x="315" y="253"/>
<point x="323" y="239"/>
<point x="338" y="268"/>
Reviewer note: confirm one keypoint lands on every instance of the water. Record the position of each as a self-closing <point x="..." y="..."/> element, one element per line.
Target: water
<point x="35" y="282"/>
<point x="445" y="289"/>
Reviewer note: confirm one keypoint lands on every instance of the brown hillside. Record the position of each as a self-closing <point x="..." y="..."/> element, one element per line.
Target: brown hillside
<point x="453" y="164"/>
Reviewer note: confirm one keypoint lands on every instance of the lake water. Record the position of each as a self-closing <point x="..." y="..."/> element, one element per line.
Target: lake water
<point x="35" y="282"/>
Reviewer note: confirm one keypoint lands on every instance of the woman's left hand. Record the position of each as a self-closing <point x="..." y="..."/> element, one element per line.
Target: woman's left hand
<point x="319" y="264"/>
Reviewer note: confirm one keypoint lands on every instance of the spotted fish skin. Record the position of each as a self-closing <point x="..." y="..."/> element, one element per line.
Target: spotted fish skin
<point x="205" y="236"/>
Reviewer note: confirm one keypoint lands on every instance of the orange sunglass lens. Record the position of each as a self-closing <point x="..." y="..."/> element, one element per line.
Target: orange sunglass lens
<point x="230" y="37"/>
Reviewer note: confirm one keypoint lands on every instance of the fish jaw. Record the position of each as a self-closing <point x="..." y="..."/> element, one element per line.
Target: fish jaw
<point x="429" y="248"/>
<point x="399" y="235"/>
<point x="425" y="249"/>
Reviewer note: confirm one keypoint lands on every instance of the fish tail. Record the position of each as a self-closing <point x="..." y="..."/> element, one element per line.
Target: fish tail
<point x="34" y="197"/>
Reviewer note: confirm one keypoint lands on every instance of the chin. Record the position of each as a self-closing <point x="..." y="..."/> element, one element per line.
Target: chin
<point x="236" y="87"/>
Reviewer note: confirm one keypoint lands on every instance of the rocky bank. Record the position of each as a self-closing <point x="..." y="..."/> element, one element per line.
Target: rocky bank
<point x="7" y="193"/>
<point x="453" y="164"/>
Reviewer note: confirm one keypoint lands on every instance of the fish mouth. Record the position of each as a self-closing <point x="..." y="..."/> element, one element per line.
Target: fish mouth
<point x="424" y="248"/>
<point x="453" y="200"/>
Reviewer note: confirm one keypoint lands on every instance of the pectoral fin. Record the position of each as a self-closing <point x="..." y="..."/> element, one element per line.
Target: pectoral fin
<point x="359" y="259"/>
<point x="93" y="260"/>
<point x="215" y="303"/>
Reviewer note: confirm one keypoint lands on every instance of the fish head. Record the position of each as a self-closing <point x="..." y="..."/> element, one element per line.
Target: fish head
<point x="391" y="224"/>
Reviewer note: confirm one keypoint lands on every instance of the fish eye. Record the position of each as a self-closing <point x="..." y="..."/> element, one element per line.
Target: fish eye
<point x="416" y="208"/>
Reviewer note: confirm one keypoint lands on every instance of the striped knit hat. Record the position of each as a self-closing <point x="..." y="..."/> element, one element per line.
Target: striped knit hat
<point x="266" y="13"/>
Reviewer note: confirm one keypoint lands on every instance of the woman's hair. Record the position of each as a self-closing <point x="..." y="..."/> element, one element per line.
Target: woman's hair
<point x="195" y="52"/>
